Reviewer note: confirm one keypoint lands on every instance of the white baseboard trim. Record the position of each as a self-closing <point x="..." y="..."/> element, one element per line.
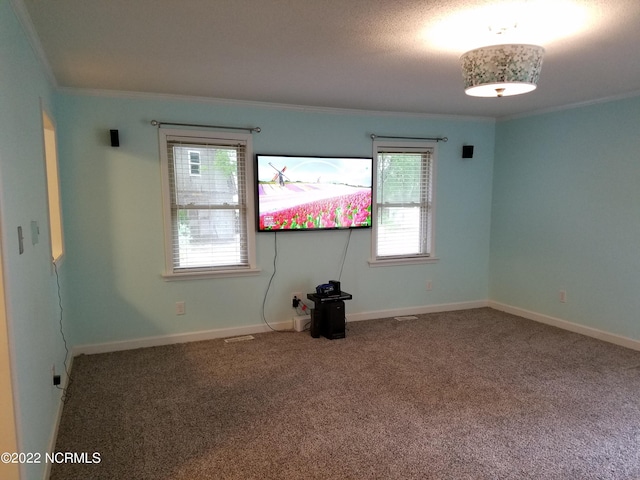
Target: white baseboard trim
<point x="566" y="325"/>
<point x="155" y="341"/>
<point x="159" y="340"/>
<point x="399" y="312"/>
<point x="56" y="424"/>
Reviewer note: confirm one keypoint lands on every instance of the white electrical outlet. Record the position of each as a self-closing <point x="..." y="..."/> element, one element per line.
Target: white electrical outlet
<point x="180" y="308"/>
<point x="563" y="296"/>
<point x="429" y="285"/>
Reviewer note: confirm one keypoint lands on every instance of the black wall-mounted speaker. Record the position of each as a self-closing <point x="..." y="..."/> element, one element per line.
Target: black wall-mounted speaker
<point x="115" y="138"/>
<point x="467" y="151"/>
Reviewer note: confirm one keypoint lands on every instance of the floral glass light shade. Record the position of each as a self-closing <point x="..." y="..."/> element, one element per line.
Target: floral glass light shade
<point x="501" y="70"/>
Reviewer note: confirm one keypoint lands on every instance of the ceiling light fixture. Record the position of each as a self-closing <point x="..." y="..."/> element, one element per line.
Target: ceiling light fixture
<point x="501" y="70"/>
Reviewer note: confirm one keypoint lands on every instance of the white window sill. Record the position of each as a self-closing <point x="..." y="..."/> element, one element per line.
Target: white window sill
<point x="198" y="275"/>
<point x="389" y="262"/>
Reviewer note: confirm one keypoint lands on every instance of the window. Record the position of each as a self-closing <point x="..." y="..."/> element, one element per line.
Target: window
<point x="208" y="203"/>
<point x="194" y="163"/>
<point x="404" y="203"/>
<point x="53" y="188"/>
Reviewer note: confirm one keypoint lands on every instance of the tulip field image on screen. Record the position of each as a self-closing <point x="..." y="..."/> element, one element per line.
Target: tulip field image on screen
<point x="313" y="193"/>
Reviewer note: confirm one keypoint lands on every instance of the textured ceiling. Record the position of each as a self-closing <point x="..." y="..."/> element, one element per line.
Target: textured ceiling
<point x="400" y="56"/>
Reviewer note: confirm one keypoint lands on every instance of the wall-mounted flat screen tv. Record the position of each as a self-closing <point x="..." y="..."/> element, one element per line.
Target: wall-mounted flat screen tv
<point x="312" y="193"/>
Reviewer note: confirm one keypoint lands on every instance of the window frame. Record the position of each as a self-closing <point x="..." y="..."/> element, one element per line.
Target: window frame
<point x="165" y="136"/>
<point x="408" y="259"/>
<point x="54" y="196"/>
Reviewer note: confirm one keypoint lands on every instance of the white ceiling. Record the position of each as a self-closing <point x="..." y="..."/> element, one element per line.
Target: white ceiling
<point x="384" y="55"/>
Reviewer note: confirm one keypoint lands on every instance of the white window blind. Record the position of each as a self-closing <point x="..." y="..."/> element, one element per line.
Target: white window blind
<point x="208" y="204"/>
<point x="404" y="197"/>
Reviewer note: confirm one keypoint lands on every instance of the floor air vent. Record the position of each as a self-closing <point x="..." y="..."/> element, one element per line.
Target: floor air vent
<point x="406" y="317"/>
<point x="242" y="338"/>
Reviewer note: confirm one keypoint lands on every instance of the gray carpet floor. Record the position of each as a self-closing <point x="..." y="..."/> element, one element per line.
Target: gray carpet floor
<point x="476" y="394"/>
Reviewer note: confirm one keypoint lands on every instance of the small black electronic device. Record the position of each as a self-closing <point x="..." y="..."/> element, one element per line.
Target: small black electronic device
<point x="336" y="286"/>
<point x="115" y="138"/>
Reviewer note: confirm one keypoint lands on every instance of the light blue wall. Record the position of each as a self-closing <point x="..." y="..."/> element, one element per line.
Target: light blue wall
<point x="566" y="215"/>
<point x="112" y="208"/>
<point x="32" y="303"/>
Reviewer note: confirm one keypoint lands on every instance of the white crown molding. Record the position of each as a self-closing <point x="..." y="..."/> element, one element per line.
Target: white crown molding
<point x="22" y="13"/>
<point x="570" y="106"/>
<point x="250" y="103"/>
